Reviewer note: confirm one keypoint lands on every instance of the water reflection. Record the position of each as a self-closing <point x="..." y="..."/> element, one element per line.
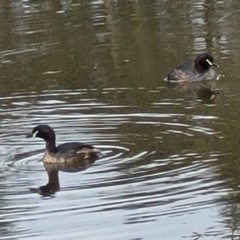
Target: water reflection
<point x="206" y="90"/>
<point x="52" y="170"/>
<point x="140" y="179"/>
<point x="94" y="70"/>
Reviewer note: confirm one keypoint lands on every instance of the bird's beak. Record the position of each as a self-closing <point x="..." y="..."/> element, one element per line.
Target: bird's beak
<point x="29" y="135"/>
<point x="32" y="134"/>
<point x="212" y="63"/>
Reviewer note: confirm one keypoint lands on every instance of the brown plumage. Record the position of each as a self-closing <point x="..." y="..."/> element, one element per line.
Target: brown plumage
<point x="67" y="152"/>
<point x="197" y="71"/>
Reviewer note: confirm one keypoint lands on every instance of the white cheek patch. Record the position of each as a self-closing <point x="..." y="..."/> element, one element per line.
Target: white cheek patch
<point x="209" y="62"/>
<point x="35" y="134"/>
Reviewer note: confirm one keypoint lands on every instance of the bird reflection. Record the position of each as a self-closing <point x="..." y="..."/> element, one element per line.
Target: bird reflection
<point x="198" y="90"/>
<point x="52" y="170"/>
<point x="206" y="93"/>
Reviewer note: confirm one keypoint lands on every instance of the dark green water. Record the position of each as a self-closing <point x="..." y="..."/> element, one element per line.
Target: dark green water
<point x="94" y="71"/>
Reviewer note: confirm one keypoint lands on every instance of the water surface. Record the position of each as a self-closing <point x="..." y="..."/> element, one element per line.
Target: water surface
<point x="94" y="71"/>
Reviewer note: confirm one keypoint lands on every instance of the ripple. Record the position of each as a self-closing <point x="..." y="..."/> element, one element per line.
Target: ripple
<point x="92" y="70"/>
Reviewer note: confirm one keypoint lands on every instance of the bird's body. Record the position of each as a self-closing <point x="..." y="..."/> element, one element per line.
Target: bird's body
<point x="63" y="153"/>
<point x="199" y="70"/>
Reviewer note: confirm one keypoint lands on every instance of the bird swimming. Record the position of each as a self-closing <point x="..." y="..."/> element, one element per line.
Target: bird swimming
<point x="64" y="153"/>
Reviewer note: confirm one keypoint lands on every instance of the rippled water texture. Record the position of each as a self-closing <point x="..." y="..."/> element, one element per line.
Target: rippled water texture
<point x="94" y="71"/>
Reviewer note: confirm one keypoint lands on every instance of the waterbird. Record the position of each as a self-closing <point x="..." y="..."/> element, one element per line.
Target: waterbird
<point x="63" y="153"/>
<point x="199" y="70"/>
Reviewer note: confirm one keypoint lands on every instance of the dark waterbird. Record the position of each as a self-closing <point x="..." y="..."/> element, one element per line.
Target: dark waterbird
<point x="199" y="70"/>
<point x="64" y="153"/>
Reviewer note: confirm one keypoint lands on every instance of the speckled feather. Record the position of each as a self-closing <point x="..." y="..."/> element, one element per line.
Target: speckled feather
<point x="70" y="152"/>
<point x="187" y="71"/>
<point x="63" y="153"/>
<point x="199" y="70"/>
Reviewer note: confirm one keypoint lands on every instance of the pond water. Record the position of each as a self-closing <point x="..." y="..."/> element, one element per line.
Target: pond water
<point x="94" y="71"/>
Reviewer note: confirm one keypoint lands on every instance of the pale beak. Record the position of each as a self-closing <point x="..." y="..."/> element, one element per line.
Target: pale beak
<point x="32" y="134"/>
<point x="209" y="62"/>
<point x="212" y="63"/>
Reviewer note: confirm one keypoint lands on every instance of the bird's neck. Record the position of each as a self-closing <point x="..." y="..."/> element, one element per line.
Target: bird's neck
<point x="51" y="146"/>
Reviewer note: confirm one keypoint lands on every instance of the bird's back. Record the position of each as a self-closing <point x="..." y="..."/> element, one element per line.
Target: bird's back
<point x="71" y="152"/>
<point x="188" y="72"/>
